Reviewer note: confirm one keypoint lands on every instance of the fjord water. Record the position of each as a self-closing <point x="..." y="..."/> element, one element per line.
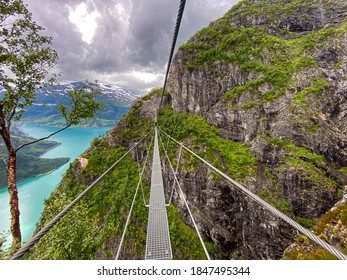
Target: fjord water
<point x="33" y="192"/>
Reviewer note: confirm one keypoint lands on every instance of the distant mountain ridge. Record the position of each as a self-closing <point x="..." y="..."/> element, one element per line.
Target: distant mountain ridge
<point x="116" y="100"/>
<point x="121" y="96"/>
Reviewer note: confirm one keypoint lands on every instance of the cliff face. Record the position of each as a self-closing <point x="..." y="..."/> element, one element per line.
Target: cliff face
<point x="270" y="75"/>
<point x="261" y="94"/>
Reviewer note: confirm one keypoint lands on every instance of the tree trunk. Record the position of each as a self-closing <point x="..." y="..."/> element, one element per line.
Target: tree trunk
<point x="14" y="201"/>
<point x="11" y="180"/>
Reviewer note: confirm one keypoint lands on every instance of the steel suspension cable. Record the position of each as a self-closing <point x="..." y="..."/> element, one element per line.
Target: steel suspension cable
<point x="57" y="218"/>
<point x="173" y="185"/>
<point x="128" y="219"/>
<point x="173" y="44"/>
<point x="178" y="161"/>
<point x="186" y="203"/>
<point x="131" y="208"/>
<point x="266" y="205"/>
<point x="143" y="193"/>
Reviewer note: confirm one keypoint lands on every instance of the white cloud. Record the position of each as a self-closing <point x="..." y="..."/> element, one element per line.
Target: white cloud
<point x="125" y="42"/>
<point x="85" y="21"/>
<point x="145" y="76"/>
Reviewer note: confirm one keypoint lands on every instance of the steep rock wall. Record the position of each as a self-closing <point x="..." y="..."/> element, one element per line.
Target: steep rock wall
<point x="278" y="84"/>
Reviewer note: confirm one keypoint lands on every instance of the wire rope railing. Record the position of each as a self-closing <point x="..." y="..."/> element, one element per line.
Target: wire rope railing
<point x="27" y="246"/>
<point x="173" y="44"/>
<point x="185" y="202"/>
<point x="266" y="205"/>
<point x="176" y="170"/>
<point x="141" y="173"/>
<point x="132" y="205"/>
<point x="158" y="243"/>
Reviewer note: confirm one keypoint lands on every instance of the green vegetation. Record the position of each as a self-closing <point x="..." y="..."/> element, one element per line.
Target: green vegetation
<point x="92" y="230"/>
<point x="100" y="217"/>
<point x="269" y="61"/>
<point x="337" y="216"/>
<point x="318" y="86"/>
<point x="331" y="228"/>
<point x="26" y="63"/>
<point x="184" y="239"/>
<point x="155" y="91"/>
<point x="306" y="222"/>
<point x="297" y="152"/>
<point x="310" y="172"/>
<point x="310" y="165"/>
<point x="277" y="200"/>
<point x="232" y="157"/>
<point x="343" y="170"/>
<point x="28" y="162"/>
<point x="136" y="125"/>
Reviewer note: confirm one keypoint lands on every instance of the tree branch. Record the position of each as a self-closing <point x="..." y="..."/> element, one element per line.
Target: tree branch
<point x="9" y="121"/>
<point x="43" y="138"/>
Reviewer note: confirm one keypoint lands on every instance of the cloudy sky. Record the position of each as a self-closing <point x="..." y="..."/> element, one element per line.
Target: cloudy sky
<point x="123" y="42"/>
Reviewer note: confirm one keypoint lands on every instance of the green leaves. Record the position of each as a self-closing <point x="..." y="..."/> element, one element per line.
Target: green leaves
<point x="76" y="236"/>
<point x="82" y="105"/>
<point x="25" y="58"/>
<point x="25" y="62"/>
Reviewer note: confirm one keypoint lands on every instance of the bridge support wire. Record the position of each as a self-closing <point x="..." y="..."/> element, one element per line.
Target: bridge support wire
<point x="173" y="44"/>
<point x="173" y="185"/>
<point x="158" y="243"/>
<point x="143" y="193"/>
<point x="185" y="201"/>
<point x="132" y="206"/>
<point x="57" y="218"/>
<point x="266" y="205"/>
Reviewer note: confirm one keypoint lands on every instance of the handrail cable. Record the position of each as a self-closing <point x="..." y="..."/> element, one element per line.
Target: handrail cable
<point x="128" y="219"/>
<point x="173" y="185"/>
<point x="173" y="44"/>
<point x="132" y="204"/>
<point x="138" y="161"/>
<point x="178" y="160"/>
<point x="131" y="209"/>
<point x="266" y="205"/>
<point x="143" y="193"/>
<point x="186" y="203"/>
<point x="27" y="246"/>
<point x="158" y="243"/>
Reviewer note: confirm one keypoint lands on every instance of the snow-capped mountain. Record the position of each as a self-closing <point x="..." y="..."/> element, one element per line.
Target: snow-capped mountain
<point x="112" y="93"/>
<point x="116" y="100"/>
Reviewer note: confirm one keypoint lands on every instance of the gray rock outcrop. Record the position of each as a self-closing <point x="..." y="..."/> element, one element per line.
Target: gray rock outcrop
<point x="296" y="126"/>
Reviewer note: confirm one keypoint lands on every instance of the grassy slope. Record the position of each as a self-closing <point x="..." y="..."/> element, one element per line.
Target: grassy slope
<point x="92" y="229"/>
<point x="100" y="218"/>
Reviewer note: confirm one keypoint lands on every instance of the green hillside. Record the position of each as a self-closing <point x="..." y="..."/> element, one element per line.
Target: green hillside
<point x="29" y="162"/>
<point x="261" y="94"/>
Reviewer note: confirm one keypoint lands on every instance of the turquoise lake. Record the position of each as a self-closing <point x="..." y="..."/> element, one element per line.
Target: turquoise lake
<point x="33" y="192"/>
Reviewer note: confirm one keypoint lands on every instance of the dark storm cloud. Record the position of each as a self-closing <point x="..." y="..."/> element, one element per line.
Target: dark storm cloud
<point x="106" y="52"/>
<point x="131" y="36"/>
<point x="150" y="24"/>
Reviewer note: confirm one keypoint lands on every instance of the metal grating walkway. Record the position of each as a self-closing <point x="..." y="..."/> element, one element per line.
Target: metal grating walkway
<point x="158" y="245"/>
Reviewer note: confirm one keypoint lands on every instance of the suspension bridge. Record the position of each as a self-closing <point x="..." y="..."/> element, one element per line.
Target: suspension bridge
<point x="158" y="244"/>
